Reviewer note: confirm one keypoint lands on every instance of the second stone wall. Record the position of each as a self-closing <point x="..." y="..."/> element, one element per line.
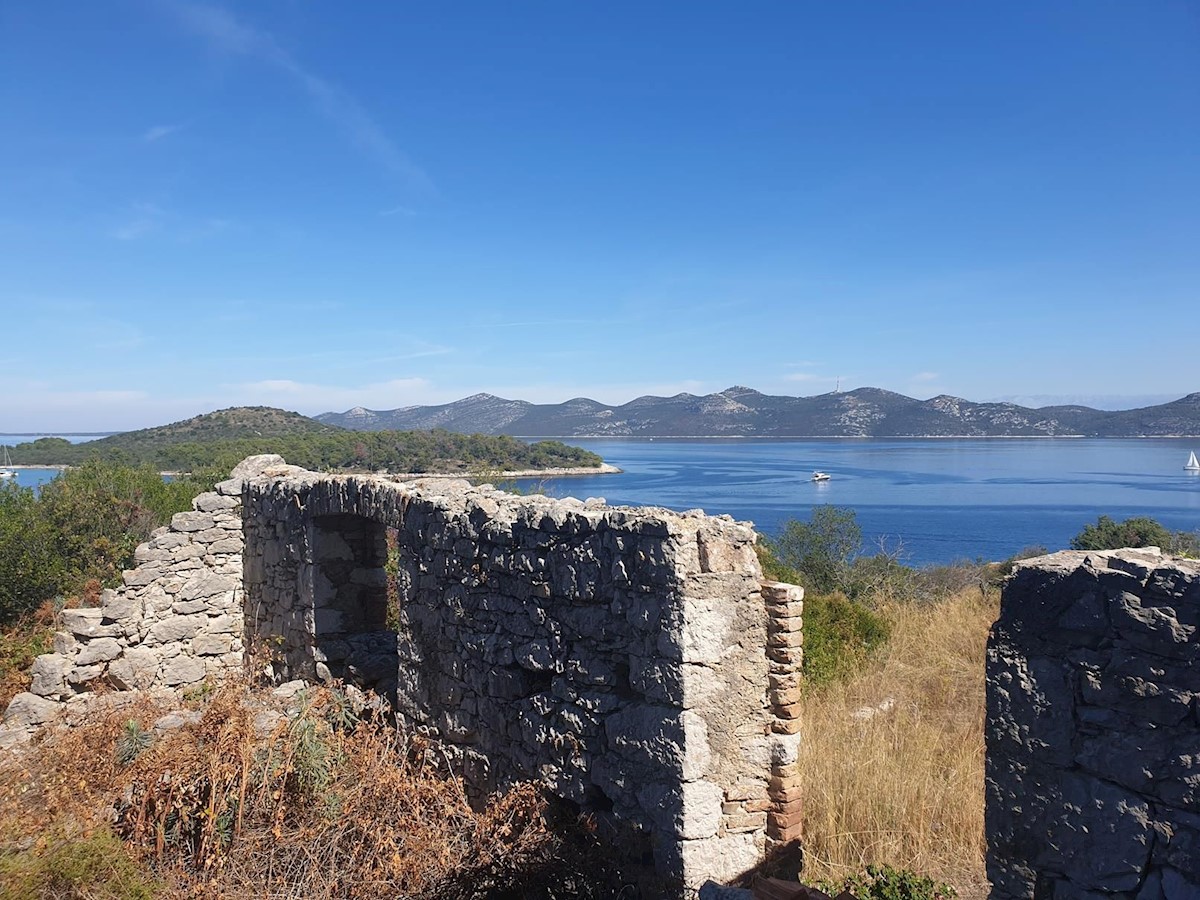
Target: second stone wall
<point x="1093" y="729"/>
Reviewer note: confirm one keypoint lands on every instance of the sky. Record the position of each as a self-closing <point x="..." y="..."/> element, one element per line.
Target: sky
<point x="318" y="206"/>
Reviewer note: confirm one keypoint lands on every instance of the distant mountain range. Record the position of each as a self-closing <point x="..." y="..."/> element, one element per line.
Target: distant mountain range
<point x="744" y="412"/>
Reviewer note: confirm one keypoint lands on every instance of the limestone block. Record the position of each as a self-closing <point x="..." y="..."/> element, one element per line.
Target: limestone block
<point x="706" y="630"/>
<point x="183" y="670"/>
<point x="83" y="674"/>
<point x="191" y="521"/>
<point x="206" y="584"/>
<point x="212" y="502"/>
<point x="721" y="858"/>
<point x="98" y="650"/>
<point x="124" y="607"/>
<point x="717" y="553"/>
<point x="187" y="607"/>
<point x="143" y="574"/>
<point x="701" y="811"/>
<point x="253" y="466"/>
<point x="84" y="621"/>
<point x="64" y="643"/>
<point x="697" y="754"/>
<point x="134" y="670"/>
<point x="29" y="709"/>
<point x="169" y="540"/>
<point x="49" y="675"/>
<point x="784" y="749"/>
<point x="176" y="628"/>
<point x="212" y="644"/>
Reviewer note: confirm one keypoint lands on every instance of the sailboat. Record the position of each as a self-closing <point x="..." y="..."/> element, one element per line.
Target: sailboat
<point x="1193" y="464"/>
<point x="7" y="471"/>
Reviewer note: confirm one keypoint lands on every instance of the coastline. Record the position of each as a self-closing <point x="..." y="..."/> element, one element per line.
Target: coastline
<point x="562" y="472"/>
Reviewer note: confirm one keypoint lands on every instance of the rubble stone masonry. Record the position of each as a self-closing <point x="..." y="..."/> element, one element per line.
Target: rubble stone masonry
<point x="632" y="660"/>
<point x="1093" y="729"/>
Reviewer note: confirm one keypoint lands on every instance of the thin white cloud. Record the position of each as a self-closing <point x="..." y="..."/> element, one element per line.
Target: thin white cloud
<point x="398" y="211"/>
<point x="158" y="132"/>
<point x="141" y="220"/>
<point x="224" y="31"/>
<point x="924" y="377"/>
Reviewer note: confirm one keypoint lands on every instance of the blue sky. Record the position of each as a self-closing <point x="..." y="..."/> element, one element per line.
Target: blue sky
<point x="318" y="206"/>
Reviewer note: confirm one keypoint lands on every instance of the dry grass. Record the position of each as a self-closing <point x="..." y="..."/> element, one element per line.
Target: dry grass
<point x="320" y="806"/>
<point x="902" y="784"/>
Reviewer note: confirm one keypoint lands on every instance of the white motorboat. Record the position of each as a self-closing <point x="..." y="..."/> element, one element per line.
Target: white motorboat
<point x="820" y="476"/>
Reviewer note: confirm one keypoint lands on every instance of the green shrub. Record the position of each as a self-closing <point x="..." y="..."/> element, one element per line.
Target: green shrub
<point x="1105" y="534"/>
<point x="821" y="549"/>
<point x="32" y="566"/>
<point x="95" y="866"/>
<point x="839" y="635"/>
<point x="83" y="526"/>
<point x="886" y="883"/>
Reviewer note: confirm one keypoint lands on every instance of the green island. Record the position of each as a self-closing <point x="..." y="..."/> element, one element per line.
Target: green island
<point x="219" y="440"/>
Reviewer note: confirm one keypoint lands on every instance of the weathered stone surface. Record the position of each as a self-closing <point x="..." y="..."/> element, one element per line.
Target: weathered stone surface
<point x="1092" y="735"/>
<point x="49" y="675"/>
<point x="98" y="650"/>
<point x="30" y="709"/>
<point x="175" y="628"/>
<point x="135" y="670"/>
<point x="191" y="521"/>
<point x="253" y="466"/>
<point x="182" y="670"/>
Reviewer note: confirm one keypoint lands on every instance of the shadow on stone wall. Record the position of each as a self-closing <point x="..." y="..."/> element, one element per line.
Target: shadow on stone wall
<point x="353" y="642"/>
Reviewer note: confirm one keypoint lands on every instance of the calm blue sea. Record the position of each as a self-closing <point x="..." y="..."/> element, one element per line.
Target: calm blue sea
<point x="940" y="500"/>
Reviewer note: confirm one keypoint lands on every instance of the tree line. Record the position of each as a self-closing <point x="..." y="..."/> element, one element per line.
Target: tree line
<point x="394" y="451"/>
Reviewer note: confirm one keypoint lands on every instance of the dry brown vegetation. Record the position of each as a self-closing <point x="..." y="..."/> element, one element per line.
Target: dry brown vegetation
<point x="319" y="805"/>
<point x="892" y="758"/>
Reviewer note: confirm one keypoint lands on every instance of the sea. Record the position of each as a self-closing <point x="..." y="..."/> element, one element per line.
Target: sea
<point x="35" y="478"/>
<point x="929" y="500"/>
<point x="932" y="501"/>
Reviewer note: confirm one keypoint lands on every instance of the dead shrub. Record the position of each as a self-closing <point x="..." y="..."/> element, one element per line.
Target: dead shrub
<point x="321" y="805"/>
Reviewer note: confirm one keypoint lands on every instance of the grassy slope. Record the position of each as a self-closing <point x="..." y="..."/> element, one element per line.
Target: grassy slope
<point x="903" y="784"/>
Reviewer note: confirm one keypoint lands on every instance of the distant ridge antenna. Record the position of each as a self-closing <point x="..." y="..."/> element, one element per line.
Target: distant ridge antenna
<point x="838" y="387"/>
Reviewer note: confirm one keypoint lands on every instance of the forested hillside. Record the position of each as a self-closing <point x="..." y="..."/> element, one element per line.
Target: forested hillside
<point x="221" y="439"/>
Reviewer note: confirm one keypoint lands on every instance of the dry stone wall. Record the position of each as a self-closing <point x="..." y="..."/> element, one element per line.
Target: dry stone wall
<point x="629" y="659"/>
<point x="1093" y="729"/>
<point x="175" y="621"/>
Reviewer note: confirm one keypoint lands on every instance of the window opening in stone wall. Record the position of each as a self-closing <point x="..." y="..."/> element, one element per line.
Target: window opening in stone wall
<point x="354" y="641"/>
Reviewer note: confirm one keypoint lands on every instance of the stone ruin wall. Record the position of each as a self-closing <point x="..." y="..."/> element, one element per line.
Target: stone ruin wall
<point x="1093" y="729"/>
<point x="175" y="621"/>
<point x="632" y="660"/>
